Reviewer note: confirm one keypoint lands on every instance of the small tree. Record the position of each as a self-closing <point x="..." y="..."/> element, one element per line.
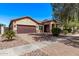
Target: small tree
<point x="9" y="34"/>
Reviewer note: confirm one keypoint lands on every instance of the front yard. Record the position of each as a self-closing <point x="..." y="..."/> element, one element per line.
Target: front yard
<point x="39" y="45"/>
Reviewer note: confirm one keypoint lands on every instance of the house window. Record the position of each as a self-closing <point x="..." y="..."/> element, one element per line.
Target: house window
<point x="40" y="27"/>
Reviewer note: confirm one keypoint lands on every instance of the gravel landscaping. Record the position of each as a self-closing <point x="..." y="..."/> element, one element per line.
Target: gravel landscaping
<point x="13" y="43"/>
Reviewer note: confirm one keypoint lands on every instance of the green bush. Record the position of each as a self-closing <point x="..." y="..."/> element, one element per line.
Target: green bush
<point x="69" y="30"/>
<point x="65" y="32"/>
<point x="9" y="34"/>
<point x="56" y="31"/>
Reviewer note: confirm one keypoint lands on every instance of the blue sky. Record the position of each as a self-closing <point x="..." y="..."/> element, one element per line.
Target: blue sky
<point x="38" y="11"/>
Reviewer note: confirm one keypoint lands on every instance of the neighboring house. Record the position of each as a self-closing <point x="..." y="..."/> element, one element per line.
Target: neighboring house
<point x="29" y="25"/>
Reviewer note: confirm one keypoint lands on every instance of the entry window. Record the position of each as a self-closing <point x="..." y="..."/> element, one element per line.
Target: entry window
<point x="40" y="27"/>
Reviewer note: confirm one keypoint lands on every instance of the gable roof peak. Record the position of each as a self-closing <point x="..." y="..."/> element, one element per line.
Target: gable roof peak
<point x="24" y="18"/>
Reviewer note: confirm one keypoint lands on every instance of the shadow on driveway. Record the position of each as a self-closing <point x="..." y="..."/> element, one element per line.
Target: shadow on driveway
<point x="50" y="37"/>
<point x="44" y="37"/>
<point x="70" y="40"/>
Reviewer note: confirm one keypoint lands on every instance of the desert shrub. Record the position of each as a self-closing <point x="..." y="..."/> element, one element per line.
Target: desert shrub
<point x="9" y="34"/>
<point x="56" y="31"/>
<point x="65" y="32"/>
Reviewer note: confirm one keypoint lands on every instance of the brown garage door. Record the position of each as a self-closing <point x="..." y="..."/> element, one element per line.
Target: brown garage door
<point x="26" y="29"/>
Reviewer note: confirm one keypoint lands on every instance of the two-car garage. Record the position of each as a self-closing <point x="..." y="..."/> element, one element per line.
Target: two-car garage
<point x="26" y="29"/>
<point x="24" y="25"/>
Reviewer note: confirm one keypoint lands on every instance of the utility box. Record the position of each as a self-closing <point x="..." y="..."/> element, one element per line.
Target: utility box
<point x="1" y="29"/>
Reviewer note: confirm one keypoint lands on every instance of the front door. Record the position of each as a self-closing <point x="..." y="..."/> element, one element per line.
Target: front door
<point x="46" y="28"/>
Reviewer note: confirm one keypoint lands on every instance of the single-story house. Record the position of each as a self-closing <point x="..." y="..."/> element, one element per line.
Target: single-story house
<point x="29" y="25"/>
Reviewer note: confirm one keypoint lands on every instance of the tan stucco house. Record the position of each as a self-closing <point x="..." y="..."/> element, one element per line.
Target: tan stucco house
<point x="29" y="25"/>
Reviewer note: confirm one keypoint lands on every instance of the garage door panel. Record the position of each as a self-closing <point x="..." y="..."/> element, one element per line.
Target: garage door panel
<point x="26" y="29"/>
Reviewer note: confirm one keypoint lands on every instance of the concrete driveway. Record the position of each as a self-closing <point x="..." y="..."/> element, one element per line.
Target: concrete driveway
<point x="20" y="50"/>
<point x="41" y="49"/>
<point x="55" y="48"/>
